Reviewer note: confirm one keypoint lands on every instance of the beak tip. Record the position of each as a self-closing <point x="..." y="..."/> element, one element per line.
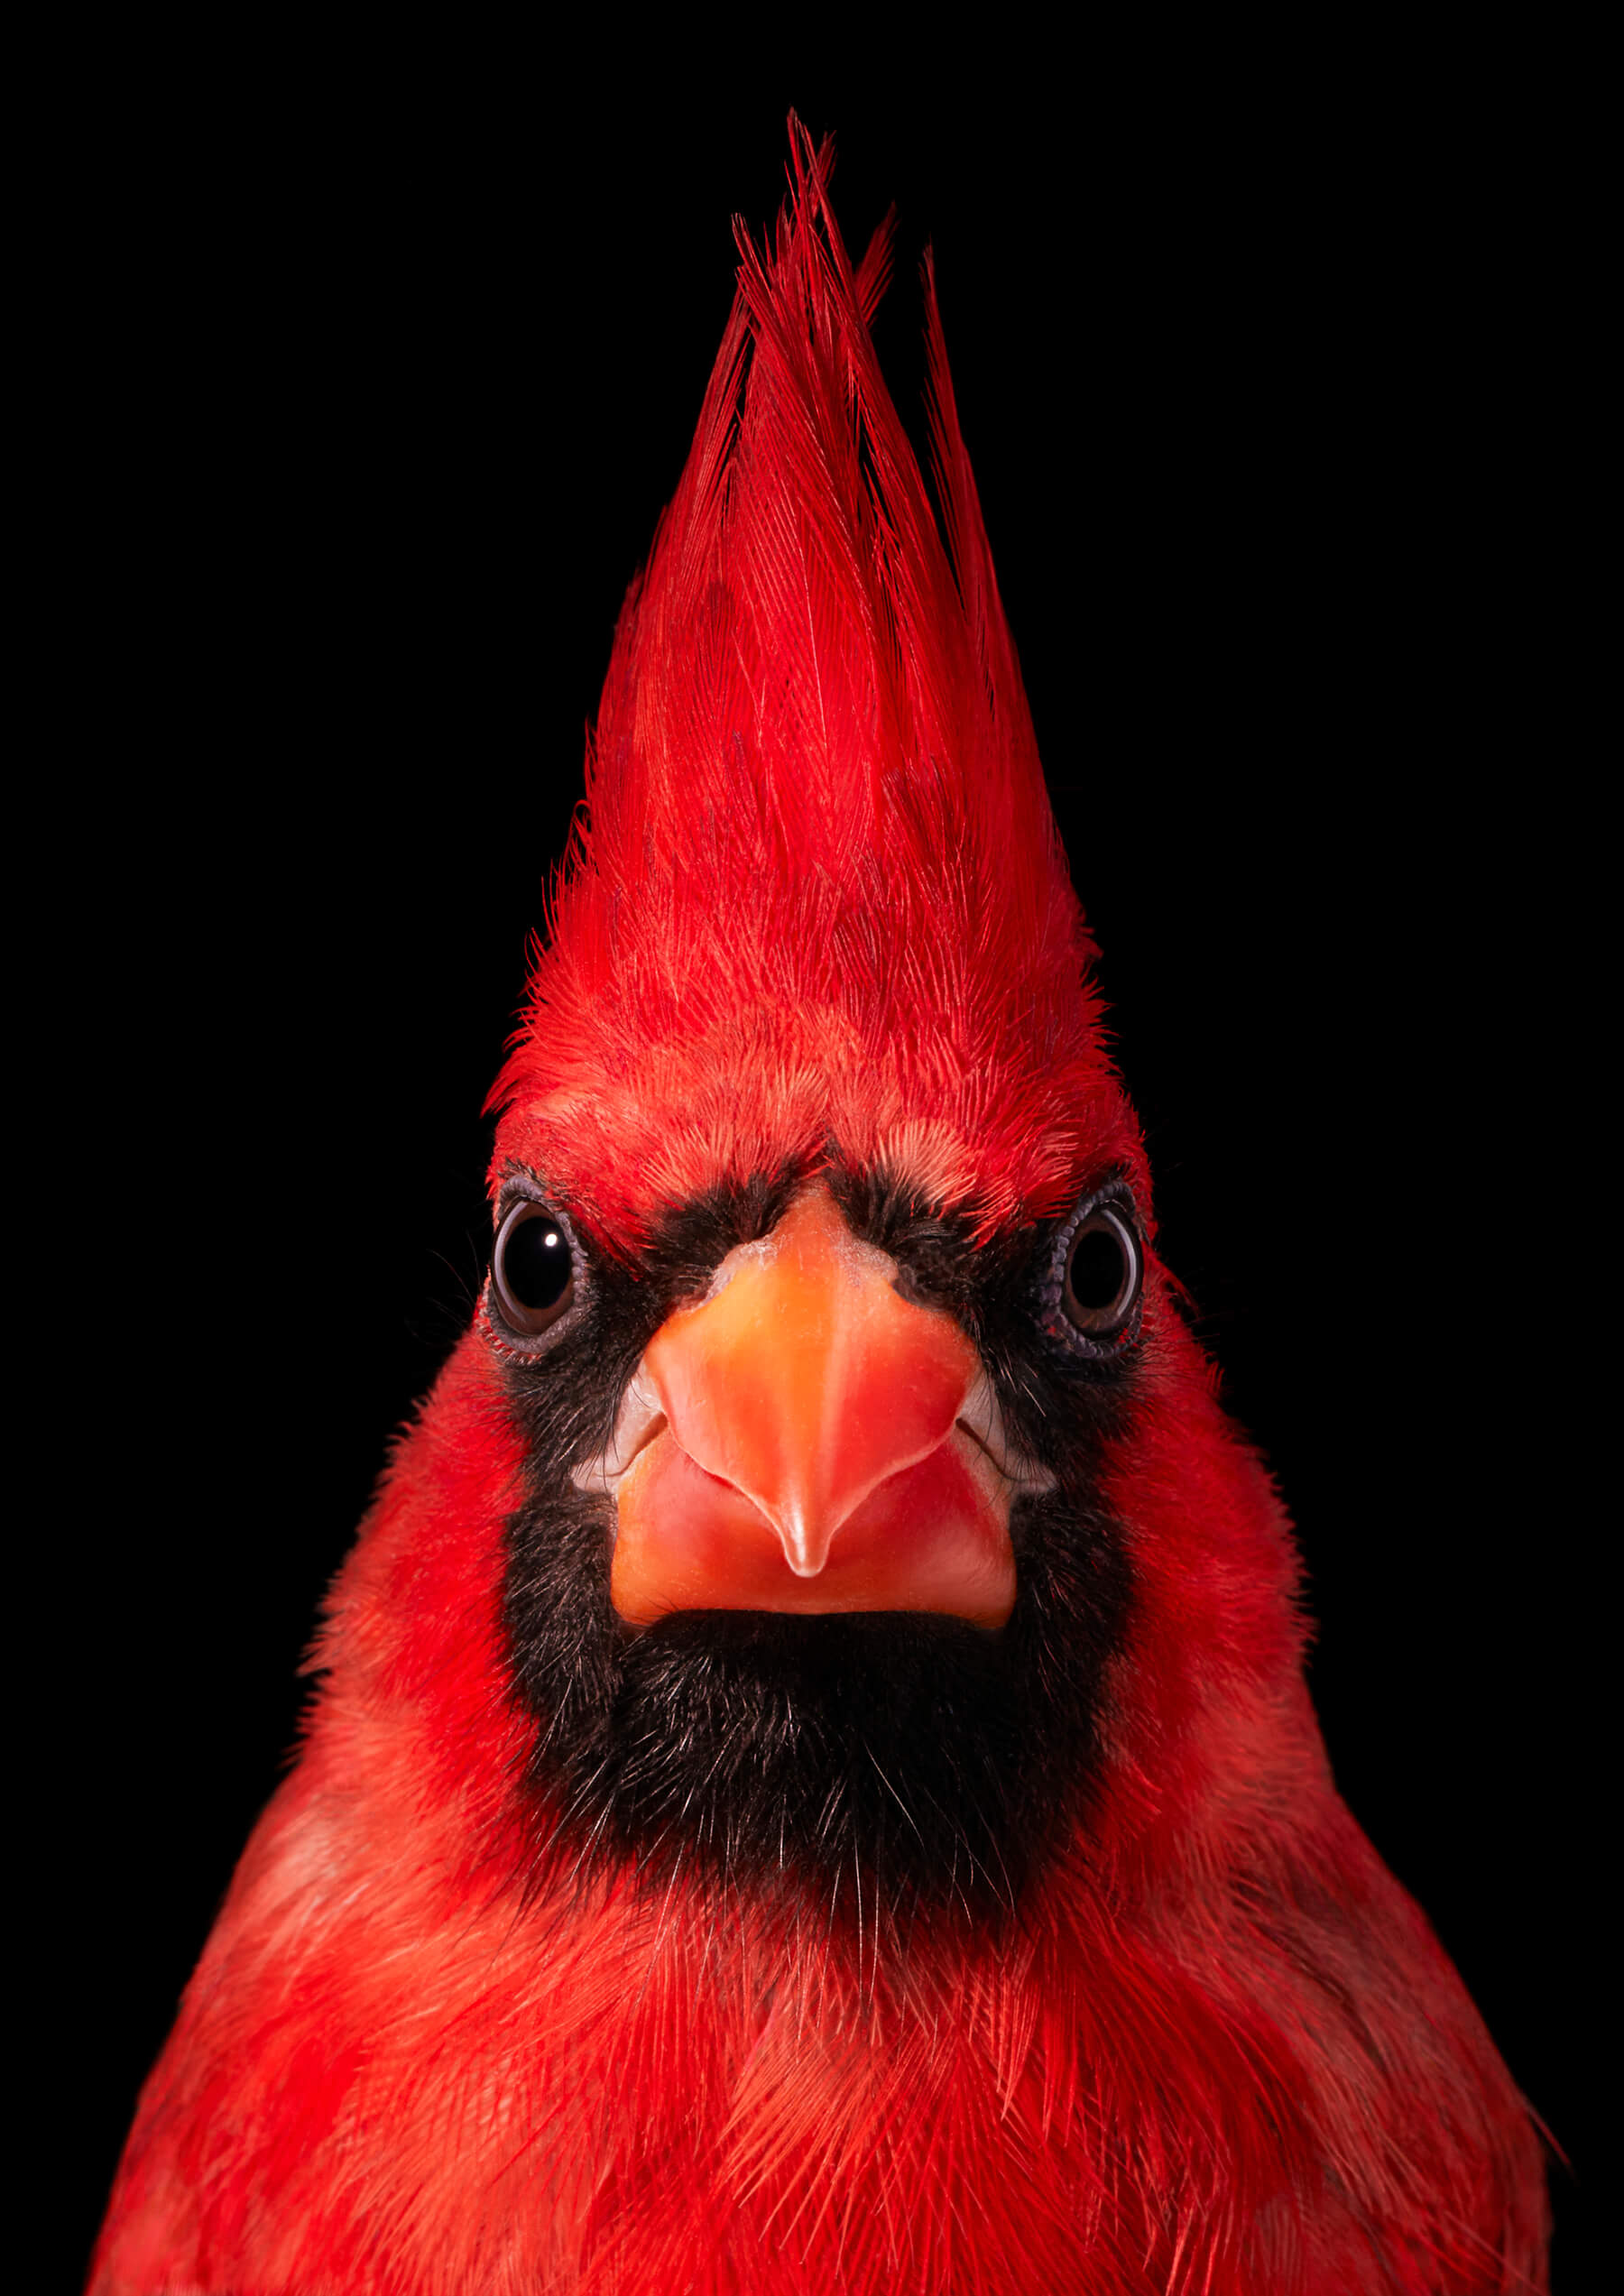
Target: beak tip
<point x="804" y="1552"/>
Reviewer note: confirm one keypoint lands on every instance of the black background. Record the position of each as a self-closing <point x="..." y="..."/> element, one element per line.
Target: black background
<point x="374" y="396"/>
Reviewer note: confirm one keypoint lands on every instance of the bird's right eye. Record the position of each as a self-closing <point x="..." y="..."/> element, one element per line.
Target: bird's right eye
<point x="532" y="1269"/>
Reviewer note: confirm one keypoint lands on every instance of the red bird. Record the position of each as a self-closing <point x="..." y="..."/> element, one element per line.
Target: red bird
<point x="812" y="1787"/>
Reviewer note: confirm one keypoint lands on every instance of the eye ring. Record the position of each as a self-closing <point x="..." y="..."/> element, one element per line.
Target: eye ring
<point x="1096" y="1273"/>
<point x="535" y="1277"/>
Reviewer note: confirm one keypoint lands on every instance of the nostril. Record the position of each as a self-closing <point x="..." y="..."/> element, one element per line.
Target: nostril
<point x="906" y="1284"/>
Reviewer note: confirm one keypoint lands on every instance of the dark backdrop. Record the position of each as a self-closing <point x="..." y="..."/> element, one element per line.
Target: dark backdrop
<point x="381" y="402"/>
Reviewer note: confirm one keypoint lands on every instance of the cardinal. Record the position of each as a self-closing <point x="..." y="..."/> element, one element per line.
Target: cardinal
<point x="811" y="1786"/>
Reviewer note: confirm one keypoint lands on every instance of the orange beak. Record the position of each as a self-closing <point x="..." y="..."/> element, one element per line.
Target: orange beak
<point x="801" y="1447"/>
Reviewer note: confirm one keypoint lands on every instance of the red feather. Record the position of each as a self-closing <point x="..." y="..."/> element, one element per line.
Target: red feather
<point x="818" y="889"/>
<point x="817" y="896"/>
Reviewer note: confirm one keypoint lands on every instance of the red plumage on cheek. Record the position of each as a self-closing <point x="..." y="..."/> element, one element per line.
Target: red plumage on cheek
<point x="418" y="1614"/>
<point x="1206" y="1696"/>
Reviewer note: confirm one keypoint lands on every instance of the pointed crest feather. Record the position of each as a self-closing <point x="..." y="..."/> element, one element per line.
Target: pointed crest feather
<point x="817" y="900"/>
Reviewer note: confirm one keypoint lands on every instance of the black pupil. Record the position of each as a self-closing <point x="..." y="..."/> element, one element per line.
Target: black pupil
<point x="1097" y="1268"/>
<point x="535" y="1262"/>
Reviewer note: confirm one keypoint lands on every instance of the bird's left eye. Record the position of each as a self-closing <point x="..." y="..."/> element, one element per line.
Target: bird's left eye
<point x="1098" y="1275"/>
<point x="532" y="1269"/>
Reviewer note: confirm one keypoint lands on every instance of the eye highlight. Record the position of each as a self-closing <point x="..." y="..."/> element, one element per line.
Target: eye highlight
<point x="1097" y="1274"/>
<point x="532" y="1269"/>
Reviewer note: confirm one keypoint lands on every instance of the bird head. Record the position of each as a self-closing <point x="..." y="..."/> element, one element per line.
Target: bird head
<point x="860" y="1442"/>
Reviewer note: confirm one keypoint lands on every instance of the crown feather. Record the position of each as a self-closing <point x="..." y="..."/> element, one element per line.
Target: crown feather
<point x="815" y="902"/>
